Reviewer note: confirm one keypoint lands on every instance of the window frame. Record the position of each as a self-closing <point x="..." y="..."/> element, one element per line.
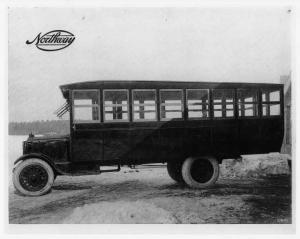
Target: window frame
<point x="280" y="102"/>
<point x="154" y="104"/>
<point x="111" y="105"/>
<point x="86" y="106"/>
<point x="257" y="103"/>
<point x="233" y="103"/>
<point x="162" y="104"/>
<point x="208" y="105"/>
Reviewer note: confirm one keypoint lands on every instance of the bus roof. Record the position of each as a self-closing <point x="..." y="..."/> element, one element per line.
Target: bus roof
<point x="112" y="84"/>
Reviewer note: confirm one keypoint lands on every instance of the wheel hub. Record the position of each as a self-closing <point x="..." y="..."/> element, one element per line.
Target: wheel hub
<point x="33" y="177"/>
<point x="202" y="171"/>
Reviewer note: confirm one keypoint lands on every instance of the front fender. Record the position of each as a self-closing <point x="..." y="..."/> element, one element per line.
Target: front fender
<point x="42" y="157"/>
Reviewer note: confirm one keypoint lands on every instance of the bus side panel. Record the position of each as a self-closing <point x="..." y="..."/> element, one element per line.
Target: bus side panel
<point x="116" y="145"/>
<point x="171" y="145"/>
<point x="197" y="141"/>
<point x="250" y="136"/>
<point x="225" y="138"/>
<point x="144" y="146"/>
<point x="272" y="132"/>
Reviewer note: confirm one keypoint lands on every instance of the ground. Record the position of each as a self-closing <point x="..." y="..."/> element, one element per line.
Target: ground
<point x="254" y="190"/>
<point x="150" y="196"/>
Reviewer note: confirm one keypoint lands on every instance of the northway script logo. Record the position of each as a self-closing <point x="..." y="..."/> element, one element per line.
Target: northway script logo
<point x="53" y="41"/>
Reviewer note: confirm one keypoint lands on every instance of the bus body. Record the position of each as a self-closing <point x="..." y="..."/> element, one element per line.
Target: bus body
<point x="178" y="123"/>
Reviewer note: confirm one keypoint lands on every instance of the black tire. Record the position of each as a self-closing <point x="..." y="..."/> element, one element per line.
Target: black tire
<point x="200" y="172"/>
<point x="33" y="177"/>
<point x="174" y="171"/>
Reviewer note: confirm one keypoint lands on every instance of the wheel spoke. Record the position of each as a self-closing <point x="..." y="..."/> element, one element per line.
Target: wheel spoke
<point x="33" y="177"/>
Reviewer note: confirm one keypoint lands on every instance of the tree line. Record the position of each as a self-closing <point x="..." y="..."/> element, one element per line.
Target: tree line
<point x="47" y="127"/>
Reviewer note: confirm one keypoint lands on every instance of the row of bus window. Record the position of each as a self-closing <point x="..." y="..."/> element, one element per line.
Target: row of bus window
<point x="116" y="104"/>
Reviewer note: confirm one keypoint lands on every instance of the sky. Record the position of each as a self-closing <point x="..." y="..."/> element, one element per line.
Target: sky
<point x="171" y="44"/>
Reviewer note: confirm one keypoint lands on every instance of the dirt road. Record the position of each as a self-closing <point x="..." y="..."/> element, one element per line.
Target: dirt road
<point x="150" y="196"/>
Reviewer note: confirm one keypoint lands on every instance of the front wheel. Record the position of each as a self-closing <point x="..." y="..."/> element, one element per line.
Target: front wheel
<point x="200" y="172"/>
<point x="33" y="177"/>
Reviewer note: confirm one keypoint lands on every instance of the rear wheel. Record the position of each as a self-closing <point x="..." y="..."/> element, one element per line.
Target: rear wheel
<point x="33" y="177"/>
<point x="200" y="172"/>
<point x="174" y="171"/>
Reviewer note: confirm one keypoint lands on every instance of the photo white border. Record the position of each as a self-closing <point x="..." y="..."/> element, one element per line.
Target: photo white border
<point x="219" y="230"/>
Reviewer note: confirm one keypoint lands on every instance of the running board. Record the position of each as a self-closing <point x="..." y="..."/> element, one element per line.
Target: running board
<point x="110" y="170"/>
<point x="144" y="166"/>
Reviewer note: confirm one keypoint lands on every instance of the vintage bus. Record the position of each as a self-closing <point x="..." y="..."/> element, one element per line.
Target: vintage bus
<point x="190" y="126"/>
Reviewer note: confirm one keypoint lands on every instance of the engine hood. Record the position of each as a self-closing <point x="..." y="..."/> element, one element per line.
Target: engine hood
<point x="33" y="138"/>
<point x="55" y="147"/>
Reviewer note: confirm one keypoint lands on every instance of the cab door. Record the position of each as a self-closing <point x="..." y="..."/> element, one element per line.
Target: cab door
<point x="86" y="134"/>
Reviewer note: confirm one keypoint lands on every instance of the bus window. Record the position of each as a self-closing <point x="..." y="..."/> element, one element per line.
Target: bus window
<point x="115" y="105"/>
<point x="197" y="103"/>
<point x="270" y="102"/>
<point x="144" y="105"/>
<point x="86" y="106"/>
<point x="223" y="103"/>
<point x="171" y="104"/>
<point x="247" y="102"/>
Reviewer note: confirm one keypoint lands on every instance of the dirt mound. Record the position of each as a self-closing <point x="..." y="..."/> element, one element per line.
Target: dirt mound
<point x="254" y="166"/>
<point x="120" y="212"/>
